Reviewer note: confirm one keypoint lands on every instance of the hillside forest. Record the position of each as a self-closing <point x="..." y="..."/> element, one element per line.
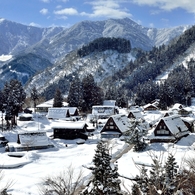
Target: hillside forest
<point x="137" y="81"/>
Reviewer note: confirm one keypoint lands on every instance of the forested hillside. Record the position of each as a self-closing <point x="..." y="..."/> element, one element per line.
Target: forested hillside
<point x="122" y="77"/>
<point x="139" y="76"/>
<point x="103" y="44"/>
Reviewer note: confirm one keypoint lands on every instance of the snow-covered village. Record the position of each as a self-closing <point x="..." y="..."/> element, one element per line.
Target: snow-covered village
<point x="52" y="142"/>
<point x="102" y="105"/>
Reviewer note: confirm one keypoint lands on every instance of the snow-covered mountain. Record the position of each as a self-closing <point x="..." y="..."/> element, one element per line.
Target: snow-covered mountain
<point x="15" y="37"/>
<point x="53" y="43"/>
<point x="34" y="49"/>
<point x="22" y="68"/>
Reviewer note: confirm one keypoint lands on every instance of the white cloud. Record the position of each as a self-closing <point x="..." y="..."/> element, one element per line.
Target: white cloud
<point x="155" y="11"/>
<point x="107" y="8"/>
<point x="66" y="11"/>
<point x="44" y="11"/>
<point x="45" y="1"/>
<point x="34" y="24"/>
<point x="64" y="1"/>
<point x="188" y="5"/>
<point x="58" y="7"/>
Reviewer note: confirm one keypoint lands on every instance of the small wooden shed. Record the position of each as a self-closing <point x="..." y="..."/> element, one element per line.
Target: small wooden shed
<point x="58" y="113"/>
<point x="25" y="117"/>
<point x="70" y="130"/>
<point x="29" y="140"/>
<point x="104" y="111"/>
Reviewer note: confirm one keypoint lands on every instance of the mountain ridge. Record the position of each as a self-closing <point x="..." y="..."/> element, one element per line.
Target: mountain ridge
<point x="26" y="39"/>
<point x="52" y="45"/>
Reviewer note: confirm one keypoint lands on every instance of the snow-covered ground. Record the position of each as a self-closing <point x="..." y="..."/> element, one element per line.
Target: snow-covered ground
<point x="4" y="58"/>
<point x="28" y="171"/>
<point x="183" y="59"/>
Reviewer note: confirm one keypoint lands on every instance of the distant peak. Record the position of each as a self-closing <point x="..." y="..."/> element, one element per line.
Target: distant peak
<point x="2" y="19"/>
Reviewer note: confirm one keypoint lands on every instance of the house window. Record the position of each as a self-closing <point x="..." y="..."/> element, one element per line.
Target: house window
<point x="162" y="127"/>
<point x="162" y="132"/>
<point x="111" y="127"/>
<point x="111" y="123"/>
<point x="109" y="136"/>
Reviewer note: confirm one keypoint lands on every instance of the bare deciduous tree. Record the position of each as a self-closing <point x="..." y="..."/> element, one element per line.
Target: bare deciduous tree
<point x="187" y="179"/>
<point x="4" y="189"/>
<point x="65" y="183"/>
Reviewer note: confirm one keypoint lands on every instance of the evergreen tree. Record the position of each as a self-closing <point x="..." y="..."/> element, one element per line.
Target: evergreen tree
<point x="2" y="107"/>
<point x="135" y="135"/>
<point x="14" y="95"/>
<point x="34" y="96"/>
<point x="58" y="99"/>
<point x="143" y="180"/>
<point x="105" y="178"/>
<point x="162" y="95"/>
<point x="75" y="95"/>
<point x="162" y="180"/>
<point x="98" y="96"/>
<point x="92" y="94"/>
<point x="139" y="142"/>
<point x="111" y="93"/>
<point x="171" y="174"/>
<point x="156" y="175"/>
<point x="121" y="99"/>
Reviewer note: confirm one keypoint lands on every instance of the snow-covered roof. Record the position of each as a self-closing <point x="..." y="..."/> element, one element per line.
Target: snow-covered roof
<point x="58" y="113"/>
<point x="188" y="119"/>
<point x="175" y="124"/>
<point x="33" y="138"/>
<point x="122" y="122"/>
<point x="188" y="109"/>
<point x="150" y="105"/>
<point x="103" y="110"/>
<point x="177" y="106"/>
<point x="72" y="110"/>
<point x="68" y="125"/>
<point x="136" y="113"/>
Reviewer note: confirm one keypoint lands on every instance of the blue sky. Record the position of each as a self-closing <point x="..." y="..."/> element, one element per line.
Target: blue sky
<point x="149" y="13"/>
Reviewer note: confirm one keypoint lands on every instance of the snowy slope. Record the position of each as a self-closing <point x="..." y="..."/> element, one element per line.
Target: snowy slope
<point x="99" y="64"/>
<point x="182" y="59"/>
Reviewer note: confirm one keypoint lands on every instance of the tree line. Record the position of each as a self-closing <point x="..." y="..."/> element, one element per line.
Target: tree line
<point x="177" y="88"/>
<point x="105" y="43"/>
<point x="84" y="94"/>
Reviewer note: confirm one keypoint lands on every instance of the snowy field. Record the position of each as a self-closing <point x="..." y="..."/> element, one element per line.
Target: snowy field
<point x="28" y="171"/>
